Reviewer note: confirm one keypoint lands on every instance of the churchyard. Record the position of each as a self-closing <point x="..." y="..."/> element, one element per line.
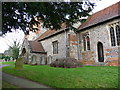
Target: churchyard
<point x="81" y="77"/>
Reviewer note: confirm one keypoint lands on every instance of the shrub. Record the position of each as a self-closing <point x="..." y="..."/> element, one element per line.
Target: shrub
<point x="66" y="63"/>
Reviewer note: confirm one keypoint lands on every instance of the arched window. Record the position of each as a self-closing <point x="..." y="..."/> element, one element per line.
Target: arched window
<point x="88" y="42"/>
<point x="84" y="43"/>
<point x="118" y="35"/>
<point x="55" y="47"/>
<point x="112" y="35"/>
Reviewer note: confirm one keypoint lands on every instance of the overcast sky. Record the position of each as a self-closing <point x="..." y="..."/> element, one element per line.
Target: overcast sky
<point x="19" y="34"/>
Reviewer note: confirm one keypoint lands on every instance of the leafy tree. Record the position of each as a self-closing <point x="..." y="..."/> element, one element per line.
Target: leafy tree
<point x="52" y="14"/>
<point x="14" y="47"/>
<point x="15" y="50"/>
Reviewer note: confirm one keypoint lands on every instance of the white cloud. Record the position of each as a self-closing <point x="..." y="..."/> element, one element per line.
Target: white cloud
<point x="9" y="39"/>
<point x="103" y="4"/>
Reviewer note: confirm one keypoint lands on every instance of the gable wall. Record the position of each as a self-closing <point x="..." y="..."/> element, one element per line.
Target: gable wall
<point x="67" y="45"/>
<point x="39" y="58"/>
<point x="48" y="46"/>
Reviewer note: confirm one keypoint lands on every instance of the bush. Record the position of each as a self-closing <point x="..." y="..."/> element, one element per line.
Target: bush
<point x="66" y="63"/>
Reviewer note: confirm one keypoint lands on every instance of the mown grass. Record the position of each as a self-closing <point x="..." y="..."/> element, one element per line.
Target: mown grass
<point x="83" y="77"/>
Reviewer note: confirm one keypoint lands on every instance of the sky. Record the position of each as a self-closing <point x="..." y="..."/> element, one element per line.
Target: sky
<point x="19" y="35"/>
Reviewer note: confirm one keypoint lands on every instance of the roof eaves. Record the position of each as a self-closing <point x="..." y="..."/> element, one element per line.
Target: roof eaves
<point x="54" y="34"/>
<point x="38" y="52"/>
<point x="84" y="28"/>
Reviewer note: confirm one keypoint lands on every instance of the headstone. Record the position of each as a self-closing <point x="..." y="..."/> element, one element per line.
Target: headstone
<point x="19" y="64"/>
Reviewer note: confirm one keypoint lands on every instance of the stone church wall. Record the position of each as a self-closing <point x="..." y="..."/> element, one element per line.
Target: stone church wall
<point x="99" y="33"/>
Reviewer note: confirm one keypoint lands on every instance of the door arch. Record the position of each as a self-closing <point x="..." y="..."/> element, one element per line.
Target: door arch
<point x="100" y="52"/>
<point x="23" y="52"/>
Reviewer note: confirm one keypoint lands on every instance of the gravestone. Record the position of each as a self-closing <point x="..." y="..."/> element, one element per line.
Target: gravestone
<point x="19" y="64"/>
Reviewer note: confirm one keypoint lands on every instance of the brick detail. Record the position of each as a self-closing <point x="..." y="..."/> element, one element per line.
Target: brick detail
<point x="114" y="58"/>
<point x="74" y="43"/>
<point x="86" y="62"/>
<point x="113" y="63"/>
<point x="72" y="38"/>
<point x="88" y="55"/>
<point x="108" y="54"/>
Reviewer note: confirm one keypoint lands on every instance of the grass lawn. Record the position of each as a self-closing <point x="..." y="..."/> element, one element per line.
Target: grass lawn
<point x="83" y="77"/>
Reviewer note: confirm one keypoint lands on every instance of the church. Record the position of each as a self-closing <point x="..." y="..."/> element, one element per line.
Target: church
<point x="99" y="37"/>
<point x="96" y="42"/>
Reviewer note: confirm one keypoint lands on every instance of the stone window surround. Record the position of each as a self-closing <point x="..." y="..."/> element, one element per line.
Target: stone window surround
<point x="114" y="26"/>
<point x="55" y="47"/>
<point x="85" y="34"/>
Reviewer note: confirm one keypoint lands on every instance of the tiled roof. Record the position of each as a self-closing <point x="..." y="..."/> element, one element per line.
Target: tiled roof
<point x="102" y="16"/>
<point x="36" y="47"/>
<point x="49" y="33"/>
<point x="45" y="34"/>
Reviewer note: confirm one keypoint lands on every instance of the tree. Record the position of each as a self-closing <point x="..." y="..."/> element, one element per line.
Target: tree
<point x="14" y="50"/>
<point x="52" y="14"/>
<point x="14" y="43"/>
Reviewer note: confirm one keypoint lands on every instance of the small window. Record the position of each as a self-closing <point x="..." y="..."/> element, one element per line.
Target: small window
<point x="118" y="35"/>
<point x="112" y="35"/>
<point x="55" y="47"/>
<point x="86" y="42"/>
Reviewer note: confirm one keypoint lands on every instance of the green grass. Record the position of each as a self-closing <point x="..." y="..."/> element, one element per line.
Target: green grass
<point x="83" y="77"/>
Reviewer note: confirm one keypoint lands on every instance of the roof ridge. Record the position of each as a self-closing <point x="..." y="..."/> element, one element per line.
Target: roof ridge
<point x="49" y="33"/>
<point x="102" y="15"/>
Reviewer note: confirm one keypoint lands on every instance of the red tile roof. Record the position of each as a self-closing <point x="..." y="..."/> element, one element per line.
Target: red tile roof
<point x="36" y="47"/>
<point x="45" y="34"/>
<point x="102" y="16"/>
<point x="49" y="33"/>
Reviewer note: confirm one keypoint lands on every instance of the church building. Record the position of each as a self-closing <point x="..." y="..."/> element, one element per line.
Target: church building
<point x="99" y="37"/>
